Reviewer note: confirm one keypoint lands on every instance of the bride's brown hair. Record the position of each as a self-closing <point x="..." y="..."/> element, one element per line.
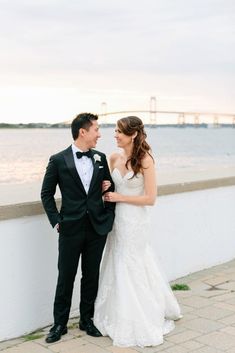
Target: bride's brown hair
<point x="129" y="126"/>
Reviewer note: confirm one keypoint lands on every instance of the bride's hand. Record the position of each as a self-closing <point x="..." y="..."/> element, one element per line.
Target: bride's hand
<point x="112" y="197"/>
<point x="105" y="185"/>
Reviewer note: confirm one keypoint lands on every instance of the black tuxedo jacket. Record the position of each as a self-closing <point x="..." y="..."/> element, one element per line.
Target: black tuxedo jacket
<point x="76" y="202"/>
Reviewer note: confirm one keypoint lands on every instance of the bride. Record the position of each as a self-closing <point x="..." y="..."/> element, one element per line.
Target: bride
<point x="135" y="306"/>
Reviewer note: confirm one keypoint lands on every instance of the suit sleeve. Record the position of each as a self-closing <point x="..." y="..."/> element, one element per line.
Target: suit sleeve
<point x="107" y="176"/>
<point x="48" y="190"/>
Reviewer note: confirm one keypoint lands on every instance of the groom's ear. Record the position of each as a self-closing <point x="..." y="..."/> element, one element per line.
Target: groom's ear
<point x="82" y="131"/>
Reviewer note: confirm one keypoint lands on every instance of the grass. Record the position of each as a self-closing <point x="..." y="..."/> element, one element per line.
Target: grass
<point x="180" y="286"/>
<point x="73" y="325"/>
<point x="33" y="336"/>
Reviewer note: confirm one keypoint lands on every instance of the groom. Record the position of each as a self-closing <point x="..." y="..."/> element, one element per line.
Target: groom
<point x="83" y="221"/>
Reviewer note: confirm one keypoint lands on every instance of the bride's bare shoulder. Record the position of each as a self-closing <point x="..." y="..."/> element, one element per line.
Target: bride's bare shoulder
<point x="113" y="158"/>
<point x="148" y="161"/>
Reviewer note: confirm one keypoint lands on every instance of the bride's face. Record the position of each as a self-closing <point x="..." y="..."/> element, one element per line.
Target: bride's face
<point x="122" y="139"/>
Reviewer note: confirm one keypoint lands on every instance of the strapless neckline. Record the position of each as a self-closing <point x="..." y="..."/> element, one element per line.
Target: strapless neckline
<point x="125" y="175"/>
<point x="122" y="176"/>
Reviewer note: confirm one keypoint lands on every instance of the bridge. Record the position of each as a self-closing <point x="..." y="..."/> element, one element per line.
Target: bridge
<point x="181" y="116"/>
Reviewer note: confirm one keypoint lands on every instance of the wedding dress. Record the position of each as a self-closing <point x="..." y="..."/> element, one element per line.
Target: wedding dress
<point x="135" y="305"/>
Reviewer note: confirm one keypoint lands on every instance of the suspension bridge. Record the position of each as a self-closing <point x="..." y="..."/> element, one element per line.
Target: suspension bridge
<point x="180" y="117"/>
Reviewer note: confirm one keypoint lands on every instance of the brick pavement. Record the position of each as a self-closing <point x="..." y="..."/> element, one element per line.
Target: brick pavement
<point x="208" y="325"/>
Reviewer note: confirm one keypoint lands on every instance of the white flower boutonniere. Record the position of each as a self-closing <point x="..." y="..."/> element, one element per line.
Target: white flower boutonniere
<point x="97" y="158"/>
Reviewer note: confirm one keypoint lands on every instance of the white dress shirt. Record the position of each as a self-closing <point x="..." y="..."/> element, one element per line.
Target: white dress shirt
<point x="84" y="168"/>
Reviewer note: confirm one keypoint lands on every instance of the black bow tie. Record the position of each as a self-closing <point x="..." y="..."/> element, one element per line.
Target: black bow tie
<point x="87" y="154"/>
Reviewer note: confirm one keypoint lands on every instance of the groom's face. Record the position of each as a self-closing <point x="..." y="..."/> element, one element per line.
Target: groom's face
<point x="92" y="135"/>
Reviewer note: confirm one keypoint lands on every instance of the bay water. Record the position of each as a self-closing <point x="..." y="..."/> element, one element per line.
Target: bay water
<point x="181" y="154"/>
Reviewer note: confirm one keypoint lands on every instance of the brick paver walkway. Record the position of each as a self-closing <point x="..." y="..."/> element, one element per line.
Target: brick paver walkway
<point x="208" y="325"/>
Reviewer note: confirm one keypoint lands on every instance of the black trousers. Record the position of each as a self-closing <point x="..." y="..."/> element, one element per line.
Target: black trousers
<point x="74" y="240"/>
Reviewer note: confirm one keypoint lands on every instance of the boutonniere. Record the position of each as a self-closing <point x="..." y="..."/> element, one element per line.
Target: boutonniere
<point x="97" y="158"/>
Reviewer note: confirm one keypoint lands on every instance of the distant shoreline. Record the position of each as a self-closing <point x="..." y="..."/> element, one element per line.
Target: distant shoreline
<point x="62" y="126"/>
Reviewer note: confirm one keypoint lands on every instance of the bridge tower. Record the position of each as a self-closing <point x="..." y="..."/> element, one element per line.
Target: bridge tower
<point x="216" y="121"/>
<point x="196" y="120"/>
<point x="181" y="119"/>
<point x="104" y="112"/>
<point x="153" y="111"/>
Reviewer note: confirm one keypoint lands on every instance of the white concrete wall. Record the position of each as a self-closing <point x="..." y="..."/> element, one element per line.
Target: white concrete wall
<point x="194" y="230"/>
<point x="28" y="267"/>
<point x="191" y="231"/>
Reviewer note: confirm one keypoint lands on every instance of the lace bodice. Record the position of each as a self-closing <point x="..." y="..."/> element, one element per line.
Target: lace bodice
<point x="128" y="184"/>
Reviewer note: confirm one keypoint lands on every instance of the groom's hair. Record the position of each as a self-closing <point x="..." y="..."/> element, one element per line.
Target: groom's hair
<point x="82" y="121"/>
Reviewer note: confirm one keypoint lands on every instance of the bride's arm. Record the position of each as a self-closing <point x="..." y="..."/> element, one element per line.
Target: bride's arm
<point x="150" y="187"/>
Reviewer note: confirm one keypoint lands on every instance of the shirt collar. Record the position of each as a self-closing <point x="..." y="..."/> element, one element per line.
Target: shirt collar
<point x="76" y="149"/>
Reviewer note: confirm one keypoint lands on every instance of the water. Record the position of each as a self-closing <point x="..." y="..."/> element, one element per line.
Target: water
<point x="24" y="153"/>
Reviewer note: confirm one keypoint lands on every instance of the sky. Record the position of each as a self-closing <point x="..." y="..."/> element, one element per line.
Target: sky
<point x="62" y="57"/>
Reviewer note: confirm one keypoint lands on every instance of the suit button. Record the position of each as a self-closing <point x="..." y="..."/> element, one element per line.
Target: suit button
<point x="87" y="211"/>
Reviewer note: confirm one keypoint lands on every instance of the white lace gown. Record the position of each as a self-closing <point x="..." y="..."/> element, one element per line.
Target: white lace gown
<point x="135" y="305"/>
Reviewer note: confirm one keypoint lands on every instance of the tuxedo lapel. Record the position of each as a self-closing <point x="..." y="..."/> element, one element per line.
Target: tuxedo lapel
<point x="69" y="160"/>
<point x="95" y="172"/>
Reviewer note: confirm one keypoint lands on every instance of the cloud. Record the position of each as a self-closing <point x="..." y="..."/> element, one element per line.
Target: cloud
<point x="169" y="48"/>
<point x="155" y="36"/>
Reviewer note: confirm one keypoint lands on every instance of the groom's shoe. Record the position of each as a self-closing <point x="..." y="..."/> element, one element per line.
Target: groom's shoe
<point x="55" y="333"/>
<point x="89" y="327"/>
